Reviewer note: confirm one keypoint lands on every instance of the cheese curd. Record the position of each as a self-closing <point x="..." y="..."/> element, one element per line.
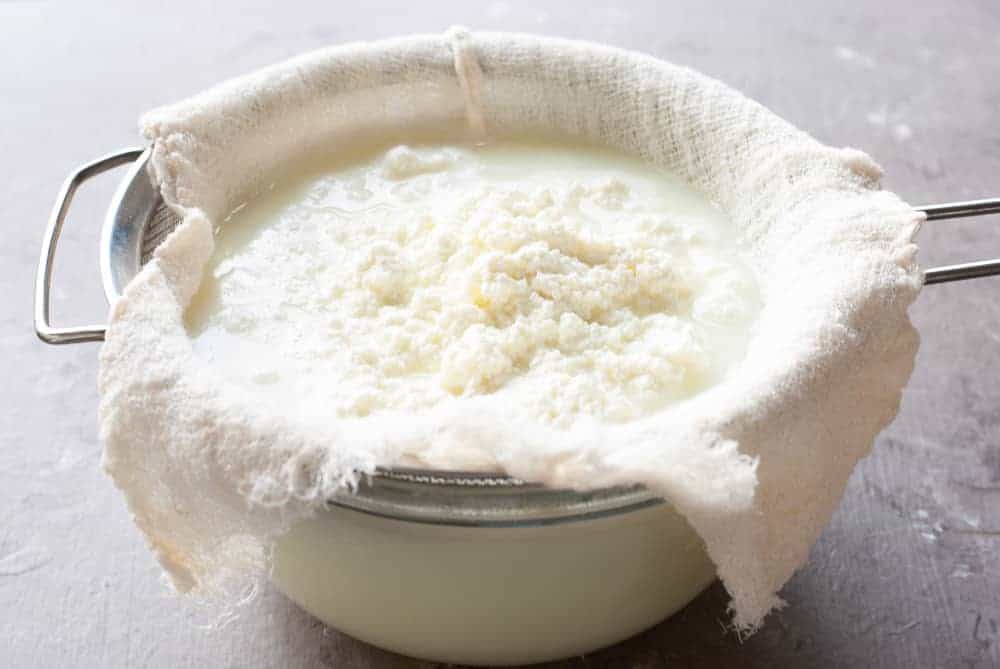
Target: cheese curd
<point x="567" y="280"/>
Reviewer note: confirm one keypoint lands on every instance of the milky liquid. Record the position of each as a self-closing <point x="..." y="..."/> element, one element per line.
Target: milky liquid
<point x="567" y="280"/>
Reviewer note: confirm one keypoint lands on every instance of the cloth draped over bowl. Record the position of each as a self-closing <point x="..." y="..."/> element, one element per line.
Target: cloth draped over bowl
<point x="757" y="463"/>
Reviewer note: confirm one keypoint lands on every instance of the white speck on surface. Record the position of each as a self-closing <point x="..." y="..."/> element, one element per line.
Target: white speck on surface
<point x="928" y="530"/>
<point x="849" y="55"/>
<point x="907" y="627"/>
<point x="902" y="132"/>
<point x="882" y="118"/>
<point x="961" y="571"/>
<point x="878" y="118"/>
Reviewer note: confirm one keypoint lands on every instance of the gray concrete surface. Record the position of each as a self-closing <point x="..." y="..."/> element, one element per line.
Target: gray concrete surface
<point x="907" y="573"/>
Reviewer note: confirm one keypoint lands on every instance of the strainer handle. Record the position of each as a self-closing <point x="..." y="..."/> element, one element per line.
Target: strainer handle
<point x="43" y="277"/>
<point x="968" y="270"/>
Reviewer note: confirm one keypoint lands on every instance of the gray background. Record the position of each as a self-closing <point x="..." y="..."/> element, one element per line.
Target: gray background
<point x="907" y="573"/>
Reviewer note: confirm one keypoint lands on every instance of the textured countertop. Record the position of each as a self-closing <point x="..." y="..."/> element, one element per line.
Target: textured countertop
<point x="907" y="573"/>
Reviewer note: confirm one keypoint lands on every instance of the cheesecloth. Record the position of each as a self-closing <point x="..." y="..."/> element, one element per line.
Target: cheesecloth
<point x="757" y="463"/>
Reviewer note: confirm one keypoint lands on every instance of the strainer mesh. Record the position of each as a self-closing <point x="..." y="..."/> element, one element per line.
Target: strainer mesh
<point x="160" y="224"/>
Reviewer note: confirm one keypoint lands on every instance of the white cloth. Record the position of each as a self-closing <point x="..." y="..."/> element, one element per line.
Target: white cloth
<point x="757" y="463"/>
